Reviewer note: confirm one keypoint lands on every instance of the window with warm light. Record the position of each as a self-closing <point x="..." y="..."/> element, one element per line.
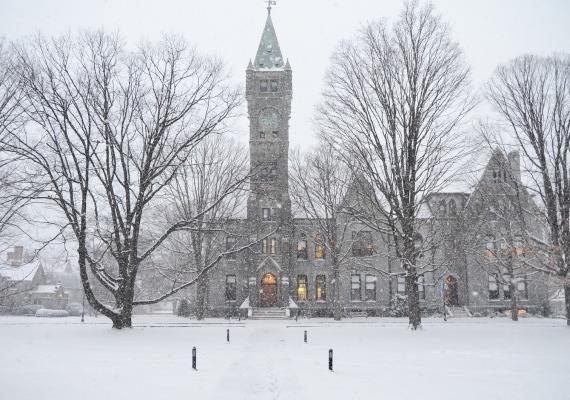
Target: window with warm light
<point x="319" y="248"/>
<point x="321" y="288"/>
<point x="302" y="287"/>
<point x="362" y="244"/>
<point x="490" y="247"/>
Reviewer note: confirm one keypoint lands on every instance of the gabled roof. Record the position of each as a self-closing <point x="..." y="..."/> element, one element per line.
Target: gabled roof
<point x="25" y="272"/>
<point x="268" y="53"/>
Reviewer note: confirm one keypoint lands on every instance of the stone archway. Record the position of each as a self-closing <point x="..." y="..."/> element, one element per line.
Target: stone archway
<point x="451" y="295"/>
<point x="268" y="296"/>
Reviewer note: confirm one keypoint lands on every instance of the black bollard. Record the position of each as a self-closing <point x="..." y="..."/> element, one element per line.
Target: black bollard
<point x="194" y="358"/>
<point x="330" y="359"/>
<point x="305" y="336"/>
<point x="228" y="335"/>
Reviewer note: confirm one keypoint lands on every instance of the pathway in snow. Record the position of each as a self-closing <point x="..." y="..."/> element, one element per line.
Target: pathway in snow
<point x="264" y="368"/>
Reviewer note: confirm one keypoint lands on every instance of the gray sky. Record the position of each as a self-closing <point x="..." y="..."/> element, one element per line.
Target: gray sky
<point x="490" y="31"/>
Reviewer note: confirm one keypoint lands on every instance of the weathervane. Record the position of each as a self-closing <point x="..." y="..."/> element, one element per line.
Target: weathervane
<point x="269" y="4"/>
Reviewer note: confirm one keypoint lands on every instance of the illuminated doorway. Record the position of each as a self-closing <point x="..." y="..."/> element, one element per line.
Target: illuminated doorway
<point x="451" y="297"/>
<point x="268" y="291"/>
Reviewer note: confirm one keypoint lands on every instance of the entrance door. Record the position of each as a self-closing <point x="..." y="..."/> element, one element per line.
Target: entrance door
<point x="268" y="291"/>
<point x="451" y="297"/>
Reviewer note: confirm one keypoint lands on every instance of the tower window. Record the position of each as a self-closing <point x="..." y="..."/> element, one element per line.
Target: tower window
<point x="269" y="246"/>
<point x="263" y="85"/>
<point x="261" y="135"/>
<point x="231" y="242"/>
<point x="274" y="85"/>
<point x="275" y="134"/>
<point x="319" y="248"/>
<point x="266" y="214"/>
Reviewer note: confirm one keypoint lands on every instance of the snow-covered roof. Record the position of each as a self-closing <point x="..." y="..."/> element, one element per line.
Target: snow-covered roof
<point x="46" y="289"/>
<point x="25" y="272"/>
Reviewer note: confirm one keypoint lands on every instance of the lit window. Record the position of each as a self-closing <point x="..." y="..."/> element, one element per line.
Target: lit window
<point x="320" y="288"/>
<point x="362" y="244"/>
<point x="231" y="289"/>
<point x="302" y="248"/>
<point x="263" y="85"/>
<point x="421" y="287"/>
<point x="370" y="288"/>
<point x="490" y="247"/>
<point x="302" y="287"/>
<point x="493" y="288"/>
<point x="401" y="285"/>
<point x="355" y="291"/>
<point x="274" y="85"/>
<point x="231" y="242"/>
<point x="519" y="246"/>
<point x="319" y="248"/>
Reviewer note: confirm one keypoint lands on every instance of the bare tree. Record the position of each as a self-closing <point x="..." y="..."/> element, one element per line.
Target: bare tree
<point x="207" y="175"/>
<point x="394" y="97"/>
<point x="108" y="131"/>
<point x="319" y="190"/>
<point x="532" y="96"/>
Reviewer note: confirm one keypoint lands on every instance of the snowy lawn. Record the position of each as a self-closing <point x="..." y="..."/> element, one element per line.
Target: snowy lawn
<point x="60" y="358"/>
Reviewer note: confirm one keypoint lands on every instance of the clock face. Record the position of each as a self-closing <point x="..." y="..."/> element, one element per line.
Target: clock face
<point x="269" y="120"/>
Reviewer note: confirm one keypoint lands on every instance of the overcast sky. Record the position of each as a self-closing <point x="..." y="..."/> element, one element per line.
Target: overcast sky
<point x="490" y="32"/>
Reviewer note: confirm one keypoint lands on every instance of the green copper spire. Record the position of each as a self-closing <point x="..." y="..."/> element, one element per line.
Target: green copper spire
<point x="268" y="54"/>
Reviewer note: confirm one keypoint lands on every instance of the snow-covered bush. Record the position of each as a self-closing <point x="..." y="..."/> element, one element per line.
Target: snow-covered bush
<point x="44" y="312"/>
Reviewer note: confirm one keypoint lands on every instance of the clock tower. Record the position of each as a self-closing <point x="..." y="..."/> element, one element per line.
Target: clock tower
<point x="268" y="94"/>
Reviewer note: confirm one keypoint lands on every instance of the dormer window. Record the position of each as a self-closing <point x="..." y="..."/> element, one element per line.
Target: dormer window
<point x="263" y="85"/>
<point x="274" y="85"/>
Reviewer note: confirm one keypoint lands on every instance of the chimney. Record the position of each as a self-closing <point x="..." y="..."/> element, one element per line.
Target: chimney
<point x="515" y="163"/>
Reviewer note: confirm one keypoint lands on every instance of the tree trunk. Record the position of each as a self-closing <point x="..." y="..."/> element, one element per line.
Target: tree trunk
<point x="414" y="314"/>
<point x="567" y="298"/>
<point x="514" y="307"/>
<point x="337" y="311"/>
<point x="201" y="294"/>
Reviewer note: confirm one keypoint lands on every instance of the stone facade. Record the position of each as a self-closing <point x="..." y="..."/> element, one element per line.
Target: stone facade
<point x="290" y="269"/>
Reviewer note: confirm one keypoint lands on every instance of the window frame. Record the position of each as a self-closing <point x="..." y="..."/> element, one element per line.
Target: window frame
<point x="274" y="85"/>
<point x="355" y="293"/>
<point x="321" y="283"/>
<point x="302" y="279"/>
<point x="264" y="85"/>
<point x="231" y="288"/>
<point x="233" y="240"/>
<point x="367" y="290"/>
<point x="303" y="252"/>
<point x="492" y="280"/>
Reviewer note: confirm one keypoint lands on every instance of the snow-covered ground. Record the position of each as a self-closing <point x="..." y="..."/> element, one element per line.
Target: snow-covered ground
<point x="60" y="358"/>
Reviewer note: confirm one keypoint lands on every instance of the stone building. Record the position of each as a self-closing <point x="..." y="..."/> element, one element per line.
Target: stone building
<point x="290" y="272"/>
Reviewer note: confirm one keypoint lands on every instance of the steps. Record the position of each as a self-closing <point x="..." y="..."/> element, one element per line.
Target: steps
<point x="459" y="312"/>
<point x="268" y="313"/>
